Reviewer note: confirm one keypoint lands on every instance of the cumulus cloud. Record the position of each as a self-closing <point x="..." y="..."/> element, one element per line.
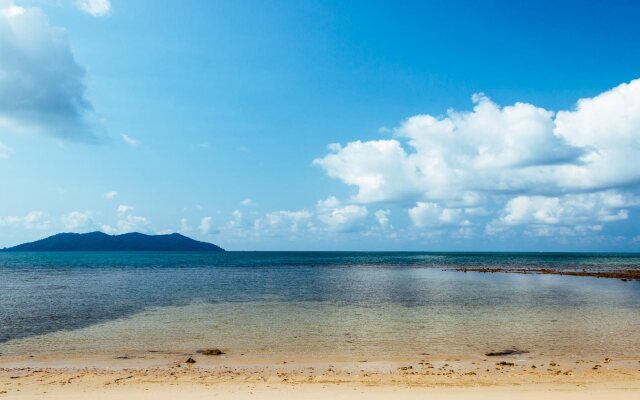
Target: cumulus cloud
<point x="237" y="219"/>
<point x="247" y="202"/>
<point x="519" y="163"/>
<point x="455" y="158"/>
<point x="32" y="220"/>
<point x="41" y="85"/>
<point x="127" y="222"/>
<point x="379" y="169"/>
<point x="123" y="209"/>
<point x="205" y="225"/>
<point x="575" y="213"/>
<point x="96" y="8"/>
<point x="111" y="195"/>
<point x="77" y="221"/>
<point x="607" y="127"/>
<point x="329" y="217"/>
<point x="426" y="214"/>
<point x="185" y="227"/>
<point x="282" y="222"/>
<point x="382" y="216"/>
<point x="339" y="218"/>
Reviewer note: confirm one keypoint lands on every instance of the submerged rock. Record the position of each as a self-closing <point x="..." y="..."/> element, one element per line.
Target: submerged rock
<point x="505" y="364"/>
<point x="508" y="352"/>
<point x="210" y="352"/>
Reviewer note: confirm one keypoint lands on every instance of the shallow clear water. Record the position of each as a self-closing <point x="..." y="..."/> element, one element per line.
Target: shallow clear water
<point x="349" y="304"/>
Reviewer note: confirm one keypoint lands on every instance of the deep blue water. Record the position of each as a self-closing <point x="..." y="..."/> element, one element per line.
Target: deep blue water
<point x="46" y="292"/>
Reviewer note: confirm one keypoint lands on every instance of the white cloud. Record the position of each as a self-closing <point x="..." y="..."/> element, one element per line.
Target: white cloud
<point x="237" y="215"/>
<point x="184" y="226"/>
<point x="41" y="85"/>
<point x="329" y="217"/>
<point x="111" y="195"/>
<point x="576" y="212"/>
<point x="127" y="222"/>
<point x="205" y="225"/>
<point x="329" y="202"/>
<point x="237" y="219"/>
<point x="382" y="216"/>
<point x="36" y="220"/>
<point x="569" y="209"/>
<point x="77" y="221"/>
<point x="464" y="232"/>
<point x="5" y="151"/>
<point x="426" y="214"/>
<point x="131" y="141"/>
<point x="338" y="218"/>
<point x="455" y="157"/>
<point x="239" y="225"/>
<point x="123" y="209"/>
<point x="96" y="8"/>
<point x="379" y="168"/>
<point x="247" y="202"/>
<point x="468" y="166"/>
<point x="10" y="220"/>
<point x="32" y="220"/>
<point x="607" y="126"/>
<point x="282" y="222"/>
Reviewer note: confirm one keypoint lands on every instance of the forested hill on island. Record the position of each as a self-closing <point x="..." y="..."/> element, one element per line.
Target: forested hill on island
<point x="100" y="241"/>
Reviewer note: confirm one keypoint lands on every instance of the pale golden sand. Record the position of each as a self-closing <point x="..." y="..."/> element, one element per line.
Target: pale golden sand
<point x="169" y="377"/>
<point x="164" y="391"/>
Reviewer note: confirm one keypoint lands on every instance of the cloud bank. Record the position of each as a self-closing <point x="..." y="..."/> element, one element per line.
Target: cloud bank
<point x="37" y="220"/>
<point x="517" y="165"/>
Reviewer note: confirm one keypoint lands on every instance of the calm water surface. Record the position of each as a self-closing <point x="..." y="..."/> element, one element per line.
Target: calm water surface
<point x="353" y="304"/>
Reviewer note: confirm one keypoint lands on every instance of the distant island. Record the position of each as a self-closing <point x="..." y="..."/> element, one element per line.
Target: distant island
<point x="100" y="241"/>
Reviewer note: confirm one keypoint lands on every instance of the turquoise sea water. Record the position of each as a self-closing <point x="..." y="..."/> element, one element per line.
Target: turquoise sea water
<point x="352" y="301"/>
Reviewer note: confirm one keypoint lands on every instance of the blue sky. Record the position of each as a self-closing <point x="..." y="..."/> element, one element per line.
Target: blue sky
<point x="323" y="124"/>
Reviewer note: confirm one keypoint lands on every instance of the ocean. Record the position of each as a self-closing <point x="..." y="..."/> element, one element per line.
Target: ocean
<point x="346" y="305"/>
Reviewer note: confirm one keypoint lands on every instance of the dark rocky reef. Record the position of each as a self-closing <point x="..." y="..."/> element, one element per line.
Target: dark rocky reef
<point x="624" y="275"/>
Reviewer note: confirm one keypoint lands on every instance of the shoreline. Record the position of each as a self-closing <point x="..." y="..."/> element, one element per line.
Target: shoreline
<point x="421" y="370"/>
<point x="497" y="378"/>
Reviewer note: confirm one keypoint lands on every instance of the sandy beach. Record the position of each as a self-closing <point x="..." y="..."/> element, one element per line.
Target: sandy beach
<point x="315" y="391"/>
<point x="164" y="376"/>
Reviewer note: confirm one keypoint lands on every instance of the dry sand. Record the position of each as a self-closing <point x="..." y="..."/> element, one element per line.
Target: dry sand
<point x="164" y="391"/>
<point x="217" y="377"/>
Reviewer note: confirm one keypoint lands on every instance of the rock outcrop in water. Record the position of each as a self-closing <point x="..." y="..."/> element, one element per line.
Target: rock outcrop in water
<point x="100" y="241"/>
<point x="623" y="275"/>
<point x="210" y="352"/>
<point x="507" y="352"/>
